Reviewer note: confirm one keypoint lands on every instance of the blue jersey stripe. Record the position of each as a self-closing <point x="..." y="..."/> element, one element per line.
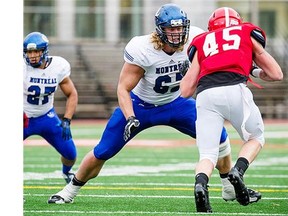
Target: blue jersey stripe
<point x="128" y="56"/>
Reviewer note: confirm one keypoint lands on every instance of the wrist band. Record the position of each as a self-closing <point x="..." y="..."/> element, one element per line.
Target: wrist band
<point x="256" y="72"/>
<point x="67" y="119"/>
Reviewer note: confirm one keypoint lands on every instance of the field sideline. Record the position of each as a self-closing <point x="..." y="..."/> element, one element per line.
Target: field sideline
<point x="185" y="140"/>
<point x="153" y="176"/>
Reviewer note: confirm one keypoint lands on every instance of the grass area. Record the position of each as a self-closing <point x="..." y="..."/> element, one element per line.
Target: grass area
<point x="153" y="180"/>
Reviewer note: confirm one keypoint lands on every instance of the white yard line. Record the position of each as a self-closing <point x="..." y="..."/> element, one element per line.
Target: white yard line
<point x="147" y="213"/>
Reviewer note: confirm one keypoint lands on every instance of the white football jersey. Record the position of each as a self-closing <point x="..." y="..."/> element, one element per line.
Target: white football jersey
<point x="160" y="84"/>
<point x="40" y="85"/>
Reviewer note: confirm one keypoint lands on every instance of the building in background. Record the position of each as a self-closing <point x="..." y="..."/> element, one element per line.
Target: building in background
<point x="94" y="33"/>
<point x="119" y="20"/>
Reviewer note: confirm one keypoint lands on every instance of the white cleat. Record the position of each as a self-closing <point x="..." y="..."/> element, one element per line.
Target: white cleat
<point x="228" y="191"/>
<point x="58" y="200"/>
<point x="66" y="195"/>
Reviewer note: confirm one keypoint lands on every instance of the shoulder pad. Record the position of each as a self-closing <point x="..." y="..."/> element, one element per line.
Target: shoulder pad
<point x="259" y="36"/>
<point x="191" y="52"/>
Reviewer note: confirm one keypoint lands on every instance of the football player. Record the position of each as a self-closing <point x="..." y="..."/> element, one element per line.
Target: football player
<point x="149" y="95"/>
<point x="42" y="74"/>
<point x="222" y="60"/>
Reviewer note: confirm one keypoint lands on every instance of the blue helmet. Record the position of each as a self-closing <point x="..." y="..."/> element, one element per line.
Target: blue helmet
<point x="35" y="41"/>
<point x="171" y="15"/>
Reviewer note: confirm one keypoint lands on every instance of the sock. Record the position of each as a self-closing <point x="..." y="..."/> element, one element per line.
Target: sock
<point x="242" y="165"/>
<point x="201" y="178"/>
<point x="76" y="182"/>
<point x="224" y="175"/>
<point x="66" y="169"/>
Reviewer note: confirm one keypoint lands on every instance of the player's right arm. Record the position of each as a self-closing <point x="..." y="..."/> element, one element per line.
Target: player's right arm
<point x="130" y="74"/>
<point x="129" y="77"/>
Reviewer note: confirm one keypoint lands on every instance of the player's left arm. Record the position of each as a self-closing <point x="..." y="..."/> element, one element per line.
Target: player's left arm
<point x="271" y="71"/>
<point x="69" y="90"/>
<point x="189" y="82"/>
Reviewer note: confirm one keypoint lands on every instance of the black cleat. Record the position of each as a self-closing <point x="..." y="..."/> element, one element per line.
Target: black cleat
<point x="254" y="196"/>
<point x="242" y="193"/>
<point x="202" y="198"/>
<point x="56" y="199"/>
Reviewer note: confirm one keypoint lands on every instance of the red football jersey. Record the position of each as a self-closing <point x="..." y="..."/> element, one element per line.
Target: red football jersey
<point x="226" y="49"/>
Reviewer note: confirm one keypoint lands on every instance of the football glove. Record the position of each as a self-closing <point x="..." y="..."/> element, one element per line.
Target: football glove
<point x="183" y="67"/>
<point x="66" y="132"/>
<point x="131" y="125"/>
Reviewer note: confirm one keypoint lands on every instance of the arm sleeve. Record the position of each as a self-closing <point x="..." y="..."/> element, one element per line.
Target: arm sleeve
<point x="191" y="52"/>
<point x="259" y="35"/>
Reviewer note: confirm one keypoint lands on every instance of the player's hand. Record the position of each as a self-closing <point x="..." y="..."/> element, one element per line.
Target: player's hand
<point x="131" y="125"/>
<point x="66" y="133"/>
<point x="25" y="120"/>
<point x="183" y="68"/>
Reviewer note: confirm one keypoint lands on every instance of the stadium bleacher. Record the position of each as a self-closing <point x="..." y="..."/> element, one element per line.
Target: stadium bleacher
<point x="95" y="72"/>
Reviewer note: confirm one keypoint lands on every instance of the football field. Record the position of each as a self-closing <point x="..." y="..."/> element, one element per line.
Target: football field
<point x="153" y="175"/>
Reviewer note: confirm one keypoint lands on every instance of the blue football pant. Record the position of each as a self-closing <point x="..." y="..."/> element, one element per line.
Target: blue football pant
<point x="179" y="114"/>
<point x="49" y="127"/>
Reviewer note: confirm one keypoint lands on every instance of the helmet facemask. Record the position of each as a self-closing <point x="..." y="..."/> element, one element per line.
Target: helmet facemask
<point x="43" y="57"/>
<point x="174" y="40"/>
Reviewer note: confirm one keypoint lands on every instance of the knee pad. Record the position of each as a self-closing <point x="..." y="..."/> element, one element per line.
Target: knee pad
<point x="224" y="148"/>
<point x="210" y="155"/>
<point x="261" y="140"/>
<point x="103" y="153"/>
<point x="258" y="135"/>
